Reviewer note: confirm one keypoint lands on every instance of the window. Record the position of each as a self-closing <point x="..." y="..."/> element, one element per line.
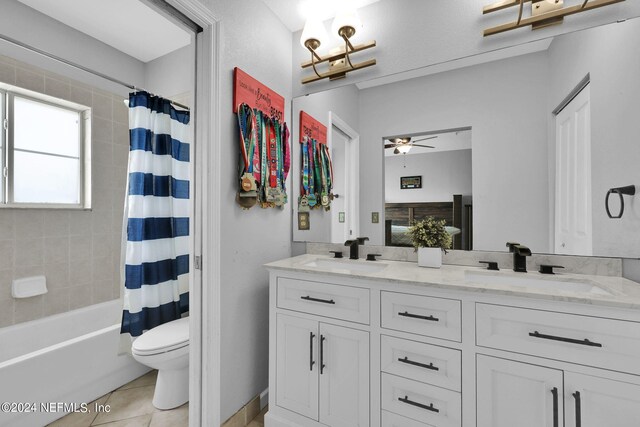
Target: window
<point x="43" y="146"/>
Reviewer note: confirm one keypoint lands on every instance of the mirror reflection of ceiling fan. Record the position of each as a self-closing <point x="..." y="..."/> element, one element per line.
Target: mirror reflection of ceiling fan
<point x="403" y="145"/>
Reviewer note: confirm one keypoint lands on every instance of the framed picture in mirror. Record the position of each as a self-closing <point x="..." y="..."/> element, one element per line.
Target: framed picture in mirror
<point x="410" y="182"/>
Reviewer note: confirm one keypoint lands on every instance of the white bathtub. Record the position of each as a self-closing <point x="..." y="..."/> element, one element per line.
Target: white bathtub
<point x="67" y="358"/>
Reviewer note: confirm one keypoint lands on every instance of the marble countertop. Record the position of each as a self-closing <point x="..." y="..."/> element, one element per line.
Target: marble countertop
<point x="618" y="291"/>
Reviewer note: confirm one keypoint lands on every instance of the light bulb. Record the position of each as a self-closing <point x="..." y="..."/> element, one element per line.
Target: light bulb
<point x="313" y="30"/>
<point x="348" y="20"/>
<point x="404" y="148"/>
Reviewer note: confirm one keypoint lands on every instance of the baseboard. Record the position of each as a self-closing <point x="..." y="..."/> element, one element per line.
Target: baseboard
<point x="248" y="412"/>
<point x="264" y="398"/>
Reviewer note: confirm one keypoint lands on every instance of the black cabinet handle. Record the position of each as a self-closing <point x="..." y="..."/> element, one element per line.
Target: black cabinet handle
<point x="554" y="391"/>
<point x="324" y="301"/>
<point x="491" y="265"/>
<point x="311" y="361"/>
<point x="322" y="365"/>
<point x="576" y="396"/>
<point x="419" y="405"/>
<point x="422" y="365"/>
<point x="585" y="341"/>
<point x="417" y="316"/>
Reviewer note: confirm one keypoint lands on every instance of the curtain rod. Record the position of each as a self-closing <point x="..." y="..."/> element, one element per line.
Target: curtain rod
<point x="80" y="67"/>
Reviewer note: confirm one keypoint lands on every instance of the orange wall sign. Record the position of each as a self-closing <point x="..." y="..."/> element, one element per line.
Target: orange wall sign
<point x="312" y="128"/>
<point x="250" y="91"/>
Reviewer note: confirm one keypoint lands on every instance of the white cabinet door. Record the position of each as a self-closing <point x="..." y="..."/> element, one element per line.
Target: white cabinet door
<point x="597" y="402"/>
<point x="344" y="378"/>
<point x="297" y="365"/>
<point x="513" y="394"/>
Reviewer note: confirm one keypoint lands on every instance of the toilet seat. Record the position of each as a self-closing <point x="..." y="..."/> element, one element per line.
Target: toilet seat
<point x="164" y="338"/>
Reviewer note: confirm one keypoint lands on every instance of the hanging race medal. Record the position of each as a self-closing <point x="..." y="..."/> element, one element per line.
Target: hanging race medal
<point x="312" y="187"/>
<point x="247" y="196"/>
<point x="303" y="201"/>
<point x="272" y="191"/>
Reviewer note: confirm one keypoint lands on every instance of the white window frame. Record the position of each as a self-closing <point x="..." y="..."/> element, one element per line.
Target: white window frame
<point x="7" y="151"/>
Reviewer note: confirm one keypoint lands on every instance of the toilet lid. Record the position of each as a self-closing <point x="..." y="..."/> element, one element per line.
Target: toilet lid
<point x="163" y="338"/>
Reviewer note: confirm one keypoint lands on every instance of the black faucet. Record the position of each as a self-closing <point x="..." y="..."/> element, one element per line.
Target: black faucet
<point x="520" y="254"/>
<point x="353" y="246"/>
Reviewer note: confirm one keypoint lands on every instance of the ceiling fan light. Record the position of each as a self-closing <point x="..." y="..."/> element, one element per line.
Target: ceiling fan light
<point x="404" y="149"/>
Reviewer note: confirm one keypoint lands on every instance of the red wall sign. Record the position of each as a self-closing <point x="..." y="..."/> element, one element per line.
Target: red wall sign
<point x="250" y="91"/>
<point x="312" y="128"/>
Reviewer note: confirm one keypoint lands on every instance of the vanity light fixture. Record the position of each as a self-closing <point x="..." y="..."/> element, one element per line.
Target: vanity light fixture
<point x="543" y="13"/>
<point x="339" y="59"/>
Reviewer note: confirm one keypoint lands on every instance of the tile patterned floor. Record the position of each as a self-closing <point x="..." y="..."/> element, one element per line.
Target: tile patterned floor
<point x="131" y="407"/>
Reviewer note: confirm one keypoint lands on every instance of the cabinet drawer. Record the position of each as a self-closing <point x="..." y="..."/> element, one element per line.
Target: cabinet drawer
<point x="336" y="301"/>
<point x="433" y="317"/>
<point x="425" y="403"/>
<point x="593" y="341"/>
<point x="427" y="363"/>
<point x="389" y="419"/>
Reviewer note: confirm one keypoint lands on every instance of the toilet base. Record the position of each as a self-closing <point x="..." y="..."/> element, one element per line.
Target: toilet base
<point x="172" y="388"/>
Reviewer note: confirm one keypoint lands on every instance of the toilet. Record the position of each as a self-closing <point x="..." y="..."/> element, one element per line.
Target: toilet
<point x="166" y="348"/>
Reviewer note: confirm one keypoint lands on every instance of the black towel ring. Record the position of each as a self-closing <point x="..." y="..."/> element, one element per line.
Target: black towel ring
<point x="629" y="190"/>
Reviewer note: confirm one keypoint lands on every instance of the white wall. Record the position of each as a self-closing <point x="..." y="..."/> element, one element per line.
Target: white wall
<point x="443" y="174"/>
<point x="416" y="33"/>
<point x="256" y="41"/>
<point x="611" y="55"/>
<point x="172" y="75"/>
<point x="343" y="102"/>
<point x="29" y="26"/>
<point x="502" y="103"/>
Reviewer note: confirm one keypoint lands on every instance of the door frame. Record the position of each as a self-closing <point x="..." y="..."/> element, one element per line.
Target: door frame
<point x="204" y="288"/>
<point x="352" y="157"/>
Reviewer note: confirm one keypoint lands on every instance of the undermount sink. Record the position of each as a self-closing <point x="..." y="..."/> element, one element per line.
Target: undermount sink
<point x="523" y="280"/>
<point x="351" y="266"/>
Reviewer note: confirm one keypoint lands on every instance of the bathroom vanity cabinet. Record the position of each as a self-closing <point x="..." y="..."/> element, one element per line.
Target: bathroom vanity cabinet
<point x="407" y="347"/>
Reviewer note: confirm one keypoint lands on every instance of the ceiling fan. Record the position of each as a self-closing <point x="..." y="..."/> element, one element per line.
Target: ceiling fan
<point x="403" y="145"/>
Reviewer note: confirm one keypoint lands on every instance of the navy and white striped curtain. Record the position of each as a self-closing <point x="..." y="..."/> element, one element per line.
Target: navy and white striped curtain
<point x="156" y="279"/>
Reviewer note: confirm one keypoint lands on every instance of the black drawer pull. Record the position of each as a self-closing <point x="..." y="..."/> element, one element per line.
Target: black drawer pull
<point x="554" y="392"/>
<point x="325" y="301"/>
<point x="419" y="405"/>
<point x="417" y="316"/>
<point x="422" y="365"/>
<point x="576" y="396"/>
<point x="311" y="361"/>
<point x="585" y="341"/>
<point x="322" y="365"/>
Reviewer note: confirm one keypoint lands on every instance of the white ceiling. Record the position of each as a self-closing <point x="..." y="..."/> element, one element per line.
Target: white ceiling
<point x="449" y="141"/>
<point x="154" y="35"/>
<point x="292" y="12"/>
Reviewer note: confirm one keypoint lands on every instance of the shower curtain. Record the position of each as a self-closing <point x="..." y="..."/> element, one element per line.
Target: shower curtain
<point x="156" y="260"/>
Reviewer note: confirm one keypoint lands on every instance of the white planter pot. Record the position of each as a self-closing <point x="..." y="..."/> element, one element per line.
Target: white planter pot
<point x="430" y="257"/>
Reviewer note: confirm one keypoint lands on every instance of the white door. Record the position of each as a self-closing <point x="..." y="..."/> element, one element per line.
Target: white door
<point x="600" y="402"/>
<point x="297" y="365"/>
<point x="511" y="394"/>
<point x="340" y="215"/>
<point x="573" y="223"/>
<point x="344" y="379"/>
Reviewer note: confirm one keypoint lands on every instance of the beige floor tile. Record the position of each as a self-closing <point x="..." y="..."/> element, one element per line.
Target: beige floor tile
<point x="178" y="417"/>
<point x="79" y="419"/>
<point x="141" y="421"/>
<point x="260" y="417"/>
<point x="128" y="404"/>
<point x="147" y="379"/>
<point x="255" y="424"/>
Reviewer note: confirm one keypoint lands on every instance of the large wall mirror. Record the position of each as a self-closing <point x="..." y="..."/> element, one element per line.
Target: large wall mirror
<point x="525" y="148"/>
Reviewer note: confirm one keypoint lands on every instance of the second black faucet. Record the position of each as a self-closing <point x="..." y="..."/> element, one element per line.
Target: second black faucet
<point x="354" y="246"/>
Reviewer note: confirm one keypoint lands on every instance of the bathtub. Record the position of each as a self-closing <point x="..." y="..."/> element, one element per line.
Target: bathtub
<point x="63" y="359"/>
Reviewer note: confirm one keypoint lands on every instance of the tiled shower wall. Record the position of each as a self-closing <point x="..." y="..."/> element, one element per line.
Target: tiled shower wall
<point x="77" y="250"/>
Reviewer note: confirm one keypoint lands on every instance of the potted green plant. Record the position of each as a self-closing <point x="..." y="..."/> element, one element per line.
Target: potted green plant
<point x="430" y="238"/>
